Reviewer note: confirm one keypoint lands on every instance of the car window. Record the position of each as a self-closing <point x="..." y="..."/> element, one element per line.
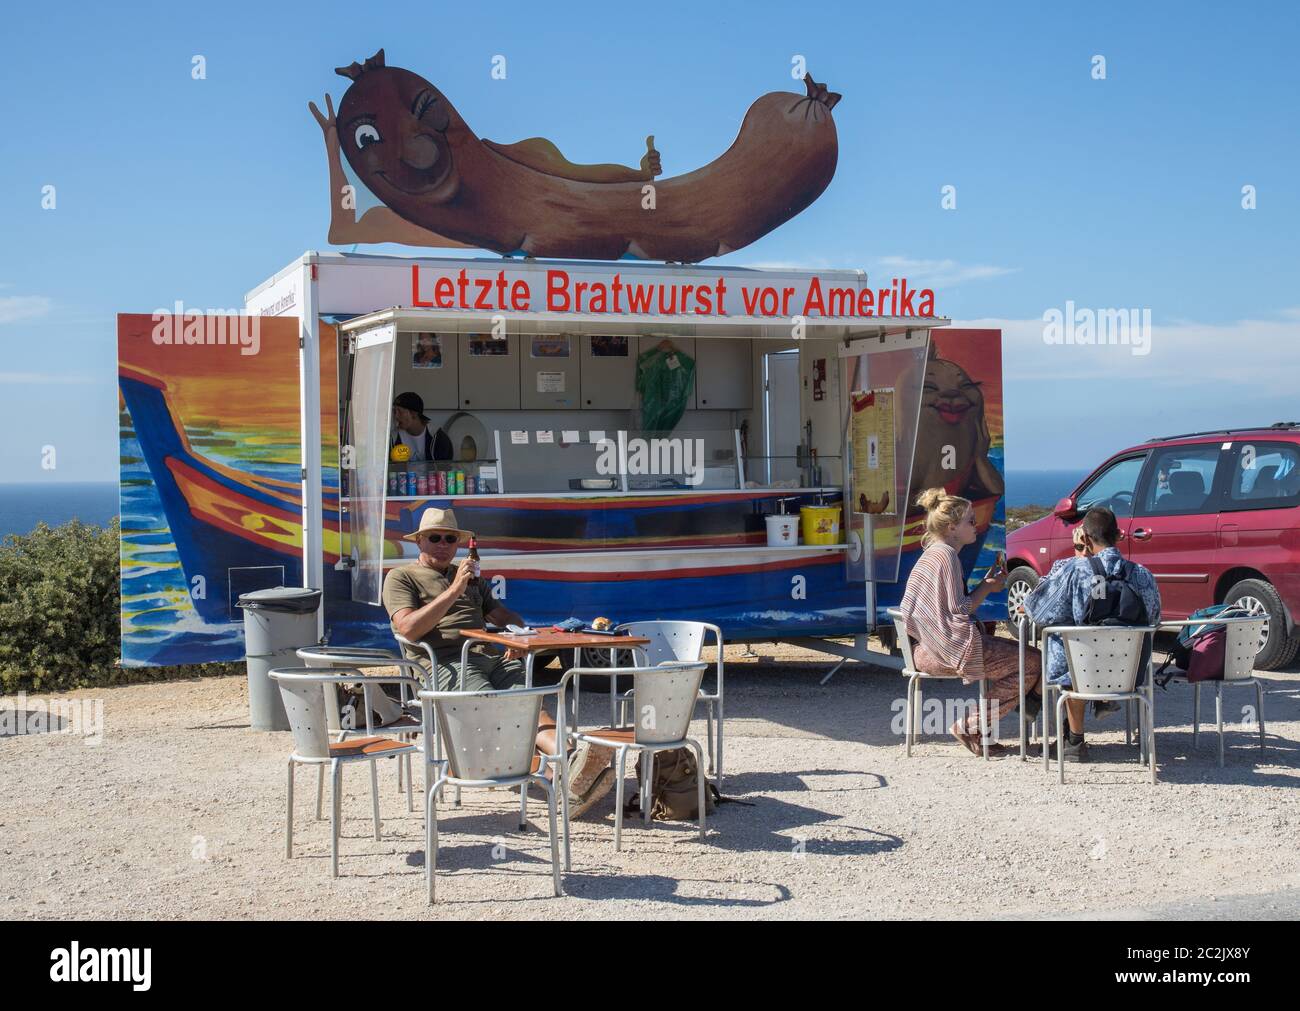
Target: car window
<point x="1182" y="478"/>
<point x="1265" y="476"/>
<point x="1113" y="487"/>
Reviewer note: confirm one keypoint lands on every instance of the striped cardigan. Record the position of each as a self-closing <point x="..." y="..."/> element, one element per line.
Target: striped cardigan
<point x="937" y="612"/>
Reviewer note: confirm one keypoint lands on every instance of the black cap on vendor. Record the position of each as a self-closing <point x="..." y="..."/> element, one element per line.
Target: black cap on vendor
<point x="411" y="428"/>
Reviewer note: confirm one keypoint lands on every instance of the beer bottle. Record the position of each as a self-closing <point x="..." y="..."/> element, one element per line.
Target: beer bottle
<point x="472" y="560"/>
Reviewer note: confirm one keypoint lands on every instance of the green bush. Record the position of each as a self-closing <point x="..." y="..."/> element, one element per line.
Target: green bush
<point x="59" y="590"/>
<point x="59" y="621"/>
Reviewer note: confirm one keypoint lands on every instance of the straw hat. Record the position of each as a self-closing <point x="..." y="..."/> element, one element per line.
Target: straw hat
<point x="440" y="520"/>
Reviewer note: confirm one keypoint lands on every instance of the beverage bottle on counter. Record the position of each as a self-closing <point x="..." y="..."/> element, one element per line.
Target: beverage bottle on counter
<point x="472" y="559"/>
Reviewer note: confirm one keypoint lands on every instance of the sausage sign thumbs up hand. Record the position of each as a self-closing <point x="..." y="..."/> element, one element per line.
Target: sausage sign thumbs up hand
<point x="650" y="160"/>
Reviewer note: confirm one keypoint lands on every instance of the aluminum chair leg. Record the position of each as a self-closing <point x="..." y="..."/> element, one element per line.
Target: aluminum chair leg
<point x="908" y="715"/>
<point x="708" y="731"/>
<point x="618" y="799"/>
<point x="523" y="806"/>
<point x="564" y="802"/>
<point x="699" y="783"/>
<point x="1060" y="738"/>
<point x="410" y="792"/>
<point x="1259" y="711"/>
<point x="1218" y="715"/>
<point x="1196" y="713"/>
<point x="985" y="729"/>
<point x="336" y="814"/>
<point x="718" y="771"/>
<point x="555" y="842"/>
<point x="1128" y="723"/>
<point x="647" y="782"/>
<point x="1146" y="705"/>
<point x="431" y="835"/>
<point x="1047" y="724"/>
<point x="320" y="791"/>
<point x="288" y="821"/>
<point x="374" y="795"/>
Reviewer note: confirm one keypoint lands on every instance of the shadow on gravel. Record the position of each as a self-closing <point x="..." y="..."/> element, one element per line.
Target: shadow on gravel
<point x="658" y="888"/>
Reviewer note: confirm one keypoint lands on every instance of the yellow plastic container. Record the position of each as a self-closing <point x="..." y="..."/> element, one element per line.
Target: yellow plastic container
<point x="820" y="524"/>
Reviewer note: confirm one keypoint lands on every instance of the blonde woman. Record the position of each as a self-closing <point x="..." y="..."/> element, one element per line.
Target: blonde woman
<point x="940" y="617"/>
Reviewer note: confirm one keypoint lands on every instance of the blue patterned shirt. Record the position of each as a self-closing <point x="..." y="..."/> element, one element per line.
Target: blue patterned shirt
<point x="1063" y="595"/>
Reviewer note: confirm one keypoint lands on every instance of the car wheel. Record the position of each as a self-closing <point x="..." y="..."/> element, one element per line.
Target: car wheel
<point x="593" y="656"/>
<point x="1258" y="598"/>
<point x="1021" y="580"/>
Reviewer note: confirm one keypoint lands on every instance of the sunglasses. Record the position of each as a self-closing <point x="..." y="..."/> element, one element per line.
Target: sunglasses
<point x="444" y="539"/>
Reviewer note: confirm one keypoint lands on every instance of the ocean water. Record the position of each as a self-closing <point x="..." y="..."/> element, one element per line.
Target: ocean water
<point x="22" y="506"/>
<point x="1041" y="487"/>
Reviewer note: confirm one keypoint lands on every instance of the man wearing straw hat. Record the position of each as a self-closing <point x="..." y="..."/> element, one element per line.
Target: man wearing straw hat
<point x="431" y="599"/>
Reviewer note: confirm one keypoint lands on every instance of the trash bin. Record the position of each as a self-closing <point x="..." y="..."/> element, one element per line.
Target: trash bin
<point x="277" y="622"/>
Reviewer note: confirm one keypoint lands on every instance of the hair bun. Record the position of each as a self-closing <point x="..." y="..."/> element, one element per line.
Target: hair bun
<point x="930" y="498"/>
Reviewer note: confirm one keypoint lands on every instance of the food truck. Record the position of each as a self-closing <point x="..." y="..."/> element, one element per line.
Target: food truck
<point x="244" y="470"/>
<point x="628" y="439"/>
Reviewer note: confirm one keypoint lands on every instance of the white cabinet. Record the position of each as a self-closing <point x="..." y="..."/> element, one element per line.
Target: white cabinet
<point x="427" y="364"/>
<point x="608" y="376"/>
<point x="549" y="373"/>
<point x="724" y="374"/>
<point x="489" y="372"/>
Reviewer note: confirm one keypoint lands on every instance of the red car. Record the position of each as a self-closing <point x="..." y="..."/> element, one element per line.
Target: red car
<point x="1215" y="516"/>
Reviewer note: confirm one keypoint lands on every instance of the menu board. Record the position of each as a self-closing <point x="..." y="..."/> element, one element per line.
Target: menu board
<point x="873" y="451"/>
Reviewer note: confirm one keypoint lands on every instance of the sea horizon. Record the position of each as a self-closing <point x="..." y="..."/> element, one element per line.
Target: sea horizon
<point x="23" y="504"/>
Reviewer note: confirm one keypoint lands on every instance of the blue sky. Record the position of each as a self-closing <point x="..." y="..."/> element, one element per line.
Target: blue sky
<point x="1115" y="193"/>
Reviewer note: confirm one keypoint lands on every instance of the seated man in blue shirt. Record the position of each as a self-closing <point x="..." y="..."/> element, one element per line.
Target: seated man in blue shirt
<point x="1062" y="598"/>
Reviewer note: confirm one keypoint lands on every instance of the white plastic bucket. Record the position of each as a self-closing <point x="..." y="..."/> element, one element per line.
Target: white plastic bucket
<point x="782" y="531"/>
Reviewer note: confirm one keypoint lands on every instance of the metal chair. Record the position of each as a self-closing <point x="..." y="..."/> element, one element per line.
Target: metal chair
<point x="683" y="642"/>
<point x="913" y="703"/>
<point x="490" y="738"/>
<point x="1240" y="650"/>
<point x="1104" y="662"/>
<point x="303" y="693"/>
<point x="664" y="699"/>
<point x="359" y="658"/>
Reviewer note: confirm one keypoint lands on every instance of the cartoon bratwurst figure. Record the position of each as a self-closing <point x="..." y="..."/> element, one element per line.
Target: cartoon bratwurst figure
<point x="441" y="185"/>
<point x="952" y="415"/>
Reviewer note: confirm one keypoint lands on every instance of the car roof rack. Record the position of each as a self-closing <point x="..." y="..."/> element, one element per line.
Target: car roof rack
<point x="1276" y="426"/>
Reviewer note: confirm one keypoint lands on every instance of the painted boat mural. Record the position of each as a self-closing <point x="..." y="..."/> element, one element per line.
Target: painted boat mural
<point x="211" y="500"/>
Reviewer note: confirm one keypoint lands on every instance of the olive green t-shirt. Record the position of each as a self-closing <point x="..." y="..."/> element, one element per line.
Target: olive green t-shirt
<point x="415" y="585"/>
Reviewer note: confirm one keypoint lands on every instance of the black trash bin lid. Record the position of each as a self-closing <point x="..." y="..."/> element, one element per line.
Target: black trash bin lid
<point x="284" y="599"/>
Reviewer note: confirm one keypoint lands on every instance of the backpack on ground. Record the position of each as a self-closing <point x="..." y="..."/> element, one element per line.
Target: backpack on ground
<point x="674" y="794"/>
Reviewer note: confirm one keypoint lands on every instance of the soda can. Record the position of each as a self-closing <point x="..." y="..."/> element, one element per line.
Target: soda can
<point x="469" y="484"/>
<point x="401" y="482"/>
<point x="422" y="483"/>
<point x="460" y="482"/>
<point x="440" y="483"/>
<point x="392" y="484"/>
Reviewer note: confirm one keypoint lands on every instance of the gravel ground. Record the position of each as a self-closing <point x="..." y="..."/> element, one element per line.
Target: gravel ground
<point x="178" y="813"/>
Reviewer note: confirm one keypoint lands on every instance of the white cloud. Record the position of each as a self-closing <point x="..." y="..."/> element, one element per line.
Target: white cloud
<point x="940" y="273"/>
<point x="18" y="307"/>
<point x="43" y="378"/>
<point x="1262" y="356"/>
